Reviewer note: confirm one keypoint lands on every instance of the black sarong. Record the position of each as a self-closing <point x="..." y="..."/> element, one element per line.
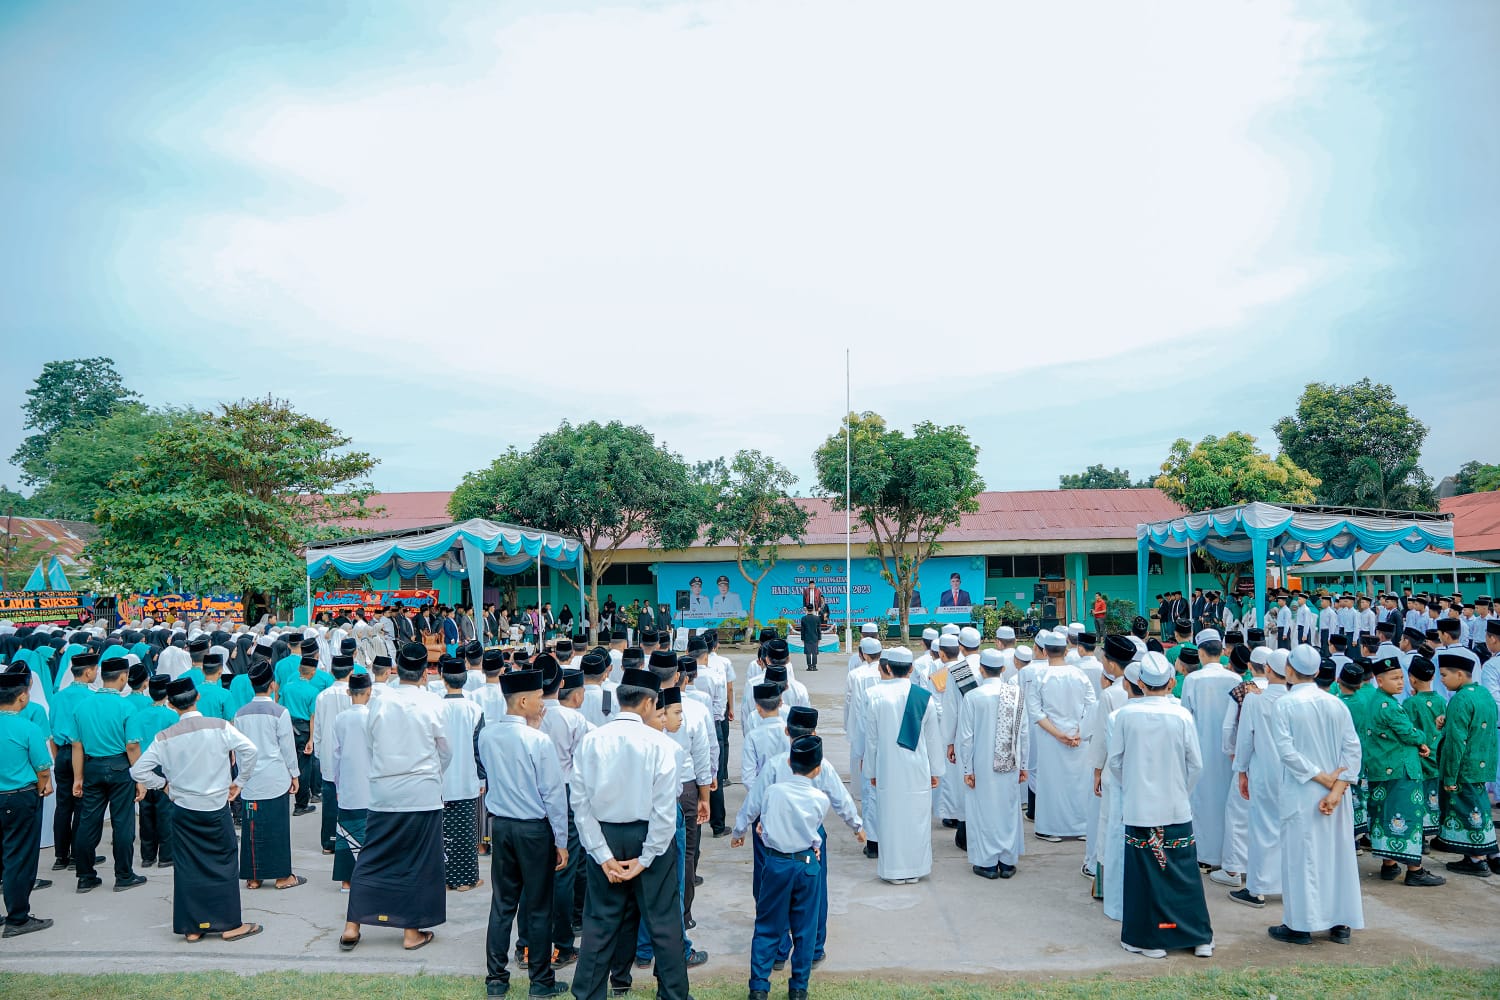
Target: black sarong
<point x="1163" y="891"/>
<point x="266" y="839"/>
<point x="398" y="878"/>
<point x="349" y="837"/>
<point x="205" y="893"/>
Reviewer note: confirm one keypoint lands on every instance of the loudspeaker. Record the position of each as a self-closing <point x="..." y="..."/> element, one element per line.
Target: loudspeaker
<point x="684" y="600"/>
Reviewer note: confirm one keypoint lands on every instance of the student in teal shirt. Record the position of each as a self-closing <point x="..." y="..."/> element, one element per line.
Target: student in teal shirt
<point x="138" y="699"/>
<point x="101" y="778"/>
<point x="25" y="778"/>
<point x="298" y="697"/>
<point x="156" y="808"/>
<point x="213" y="699"/>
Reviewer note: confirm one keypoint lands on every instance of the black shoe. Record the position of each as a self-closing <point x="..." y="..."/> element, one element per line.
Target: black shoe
<point x="89" y="884"/>
<point x="1388" y="873"/>
<point x="1007" y="871"/>
<point x="147" y="862"/>
<point x="1494" y="864"/>
<point x="723" y="832"/>
<point x="556" y="989"/>
<point x="961" y="839"/>
<point x="759" y="995"/>
<point x="991" y="872"/>
<point x="40" y="884"/>
<point x="304" y="810"/>
<point x="950" y="824"/>
<point x="872" y="849"/>
<point x="1248" y="898"/>
<point x="164" y="864"/>
<point x="315" y="797"/>
<point x="818" y="961"/>
<point x="1469" y="866"/>
<point x="1284" y="934"/>
<point x="792" y="994"/>
<point x="496" y="989"/>
<point x="619" y="991"/>
<point x="564" y="956"/>
<point x="31" y="924"/>
<point x="1424" y="877"/>
<point x="811" y="670"/>
<point x="643" y="963"/>
<point x="61" y="864"/>
<point x="697" y="880"/>
<point x="696" y="958"/>
<point x="779" y="964"/>
<point x="1339" y="934"/>
<point x="121" y="884"/>
<point x="689" y="923"/>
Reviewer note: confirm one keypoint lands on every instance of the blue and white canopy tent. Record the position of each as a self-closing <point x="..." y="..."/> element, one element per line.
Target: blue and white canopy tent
<point x="465" y="549"/>
<point x="1259" y="532"/>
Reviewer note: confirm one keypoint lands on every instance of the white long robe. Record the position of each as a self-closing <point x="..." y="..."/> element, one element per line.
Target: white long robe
<point x="856" y="690"/>
<point x="996" y="834"/>
<point x="1064" y="695"/>
<point x="904" y="778"/>
<point x="1111" y="827"/>
<point x="1314" y="734"/>
<point x="1255" y="755"/>
<point x="1236" y="807"/>
<point x="1205" y="693"/>
<point x="1095" y="734"/>
<point x="948" y="799"/>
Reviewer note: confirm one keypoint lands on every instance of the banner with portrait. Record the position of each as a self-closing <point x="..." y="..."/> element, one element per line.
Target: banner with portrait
<point x="46" y="607"/>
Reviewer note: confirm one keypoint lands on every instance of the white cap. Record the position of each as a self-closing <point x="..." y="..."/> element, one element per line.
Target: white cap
<point x="1005" y="632"/>
<point x="1140" y="647"/>
<point x="992" y="659"/>
<point x="1261" y="655"/>
<point x="1074" y="628"/>
<point x="1024" y="654"/>
<point x="1040" y="639"/>
<point x="869" y="646"/>
<point x="1133" y="672"/>
<point x="1306" y="660"/>
<point x="869" y="628"/>
<point x="950" y="629"/>
<point x="968" y="637"/>
<point x="1156" y="671"/>
<point x="1276" y="661"/>
<point x="899" y="655"/>
<point x="1208" y="635"/>
<point x="1053" y="640"/>
<point x="929" y="635"/>
<point x="949" y="641"/>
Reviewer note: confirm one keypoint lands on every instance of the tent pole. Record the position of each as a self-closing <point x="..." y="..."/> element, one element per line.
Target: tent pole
<point x="1455" y="565"/>
<point x="1142" y="564"/>
<point x="308" y="579"/>
<point x="848" y="473"/>
<point x="541" y="625"/>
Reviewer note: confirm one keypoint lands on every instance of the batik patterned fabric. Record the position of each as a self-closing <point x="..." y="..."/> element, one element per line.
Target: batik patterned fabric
<point x="1466" y="823"/>
<point x="1434" y="810"/>
<point x="1359" y="795"/>
<point x="1397" y="809"/>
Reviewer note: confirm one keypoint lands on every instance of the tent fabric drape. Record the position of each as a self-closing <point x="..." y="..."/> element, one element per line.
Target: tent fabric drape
<point x="1292" y="535"/>
<point x="454" y="550"/>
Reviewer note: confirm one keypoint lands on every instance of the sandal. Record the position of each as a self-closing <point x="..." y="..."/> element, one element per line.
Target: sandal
<point x="297" y="880"/>
<point x="252" y="883"/>
<point x="254" y="930"/>
<point x="427" y="937"/>
<point x="192" y="938"/>
<point x="347" y="944"/>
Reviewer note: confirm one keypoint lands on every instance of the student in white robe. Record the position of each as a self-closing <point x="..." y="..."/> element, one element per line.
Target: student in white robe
<point x="1086" y="643"/>
<point x="1205" y="693"/>
<point x="1118" y="652"/>
<point x="1059" y="702"/>
<point x="962" y="678"/>
<point x="947" y="803"/>
<point x="856" y="692"/>
<point x="904" y="757"/>
<point x="1257" y="766"/>
<point x="1315" y="739"/>
<point x="1109" y="886"/>
<point x="991" y="750"/>
<point x="1236" y="809"/>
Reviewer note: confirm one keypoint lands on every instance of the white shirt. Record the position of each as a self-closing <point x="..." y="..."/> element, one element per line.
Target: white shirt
<point x="566" y="727"/>
<point x="779" y="769"/>
<point x="349" y="748"/>
<point x="462" y="719"/>
<point x="491" y="699"/>
<point x="328" y="706"/>
<point x="700" y="744"/>
<point x="593" y="703"/>
<point x="715" y="683"/>
<point x="525" y="782"/>
<point x="269" y="726"/>
<point x="792" y="813"/>
<point x="625" y="772"/>
<point x="193" y="754"/>
<point x="408" y="750"/>
<point x="1154" y="759"/>
<point x="766" y="739"/>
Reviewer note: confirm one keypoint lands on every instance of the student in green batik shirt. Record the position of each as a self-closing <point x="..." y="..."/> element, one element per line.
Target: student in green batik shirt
<point x="1466" y="760"/>
<point x="1425" y="707"/>
<point x="1352" y="690"/>
<point x="1392" y="763"/>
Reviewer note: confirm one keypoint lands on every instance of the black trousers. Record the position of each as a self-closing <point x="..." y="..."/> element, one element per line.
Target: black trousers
<point x="106" y="783"/>
<point x="614" y="909"/>
<point x="564" y="889"/>
<point x="65" y="818"/>
<point x="302" y="735"/>
<point x="716" y="797"/>
<point x="156" y="826"/>
<point x="20" y="842"/>
<point x="330" y="812"/>
<point x="810" y="654"/>
<point x="688" y="803"/>
<point x="522" y="859"/>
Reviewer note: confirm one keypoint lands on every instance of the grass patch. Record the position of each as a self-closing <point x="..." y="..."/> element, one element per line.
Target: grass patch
<point x="1324" y="982"/>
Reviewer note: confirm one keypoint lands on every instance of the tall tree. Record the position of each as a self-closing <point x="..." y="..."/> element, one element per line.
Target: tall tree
<point x="1335" y="425"/>
<point x="1476" y="477"/>
<point x="1097" y="477"/>
<point x="228" y="501"/>
<point x="15" y="504"/>
<point x="749" y="506"/>
<point x="907" y="490"/>
<point x="1403" y="486"/>
<point x="78" y="465"/>
<point x="600" y="483"/>
<point x="1221" y="472"/>
<point x="66" y="394"/>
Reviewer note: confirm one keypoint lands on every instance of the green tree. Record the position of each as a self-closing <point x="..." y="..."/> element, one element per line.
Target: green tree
<point x="599" y="483"/>
<point x="1097" y="477"/>
<point x="1335" y="425"/>
<point x="227" y="502"/>
<point x="1403" y="486"/>
<point x="907" y="490"/>
<point x="66" y="394"/>
<point x="80" y="462"/>
<point x="13" y="503"/>
<point x="1476" y="477"/>
<point x="1222" y="472"/>
<point x="749" y="506"/>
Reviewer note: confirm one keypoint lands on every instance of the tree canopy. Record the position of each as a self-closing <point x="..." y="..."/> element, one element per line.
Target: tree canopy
<point x="227" y="502"/>
<point x="1361" y="444"/>
<point x="1097" y="477"/>
<point x="1476" y="477"/>
<point x="1221" y="472"/>
<point x="67" y="394"/>
<point x="80" y="462"/>
<point x="600" y="483"/>
<point x="907" y="489"/>
<point x="748" y="505"/>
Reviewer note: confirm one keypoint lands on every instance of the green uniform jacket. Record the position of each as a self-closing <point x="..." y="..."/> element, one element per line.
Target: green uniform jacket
<point x="1468" y="754"/>
<point x="1423" y="708"/>
<point x="1358" y="705"/>
<point x="1389" y="741"/>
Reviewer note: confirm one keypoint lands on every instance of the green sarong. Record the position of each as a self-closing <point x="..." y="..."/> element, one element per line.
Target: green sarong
<point x="1396" y="811"/>
<point x="1359" y="794"/>
<point x="1466" y="825"/>
<point x="1430" y="818"/>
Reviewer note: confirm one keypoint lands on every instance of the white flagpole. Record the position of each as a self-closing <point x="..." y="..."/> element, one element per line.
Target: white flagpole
<point x="848" y="520"/>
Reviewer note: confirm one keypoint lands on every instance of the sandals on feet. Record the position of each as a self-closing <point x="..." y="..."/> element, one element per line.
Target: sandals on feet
<point x="427" y="937"/>
<point x="254" y="930"/>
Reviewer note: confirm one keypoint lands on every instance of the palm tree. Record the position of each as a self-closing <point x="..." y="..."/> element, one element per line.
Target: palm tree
<point x="1402" y="486"/>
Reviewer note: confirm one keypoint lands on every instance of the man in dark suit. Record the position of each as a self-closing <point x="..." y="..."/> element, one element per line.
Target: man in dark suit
<point x="811" y="630"/>
<point x="955" y="596"/>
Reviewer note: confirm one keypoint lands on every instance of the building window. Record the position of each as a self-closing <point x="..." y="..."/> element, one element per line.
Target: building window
<point x="1051" y="567"/>
<point x="419" y="582"/>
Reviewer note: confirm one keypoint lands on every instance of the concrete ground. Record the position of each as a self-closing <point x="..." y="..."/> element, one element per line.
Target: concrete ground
<point x="1042" y="923"/>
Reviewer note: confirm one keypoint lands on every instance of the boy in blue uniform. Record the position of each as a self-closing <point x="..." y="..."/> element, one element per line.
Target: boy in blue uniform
<point x="25" y="778"/>
<point x="155" y="808"/>
<point x="299" y="695"/>
<point x="101" y="778"/>
<point x="790" y="885"/>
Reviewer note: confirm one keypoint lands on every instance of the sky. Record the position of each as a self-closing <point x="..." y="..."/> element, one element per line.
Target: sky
<point x="1082" y="230"/>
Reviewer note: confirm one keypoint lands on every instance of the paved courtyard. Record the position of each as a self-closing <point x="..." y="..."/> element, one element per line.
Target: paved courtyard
<point x="1040" y="923"/>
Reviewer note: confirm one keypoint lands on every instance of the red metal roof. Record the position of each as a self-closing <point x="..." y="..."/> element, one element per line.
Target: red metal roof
<point x="1476" y="520"/>
<point x="402" y="511"/>
<point x="63" y="539"/>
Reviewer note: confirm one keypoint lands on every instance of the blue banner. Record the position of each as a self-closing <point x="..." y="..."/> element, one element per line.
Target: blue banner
<point x="717" y="590"/>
